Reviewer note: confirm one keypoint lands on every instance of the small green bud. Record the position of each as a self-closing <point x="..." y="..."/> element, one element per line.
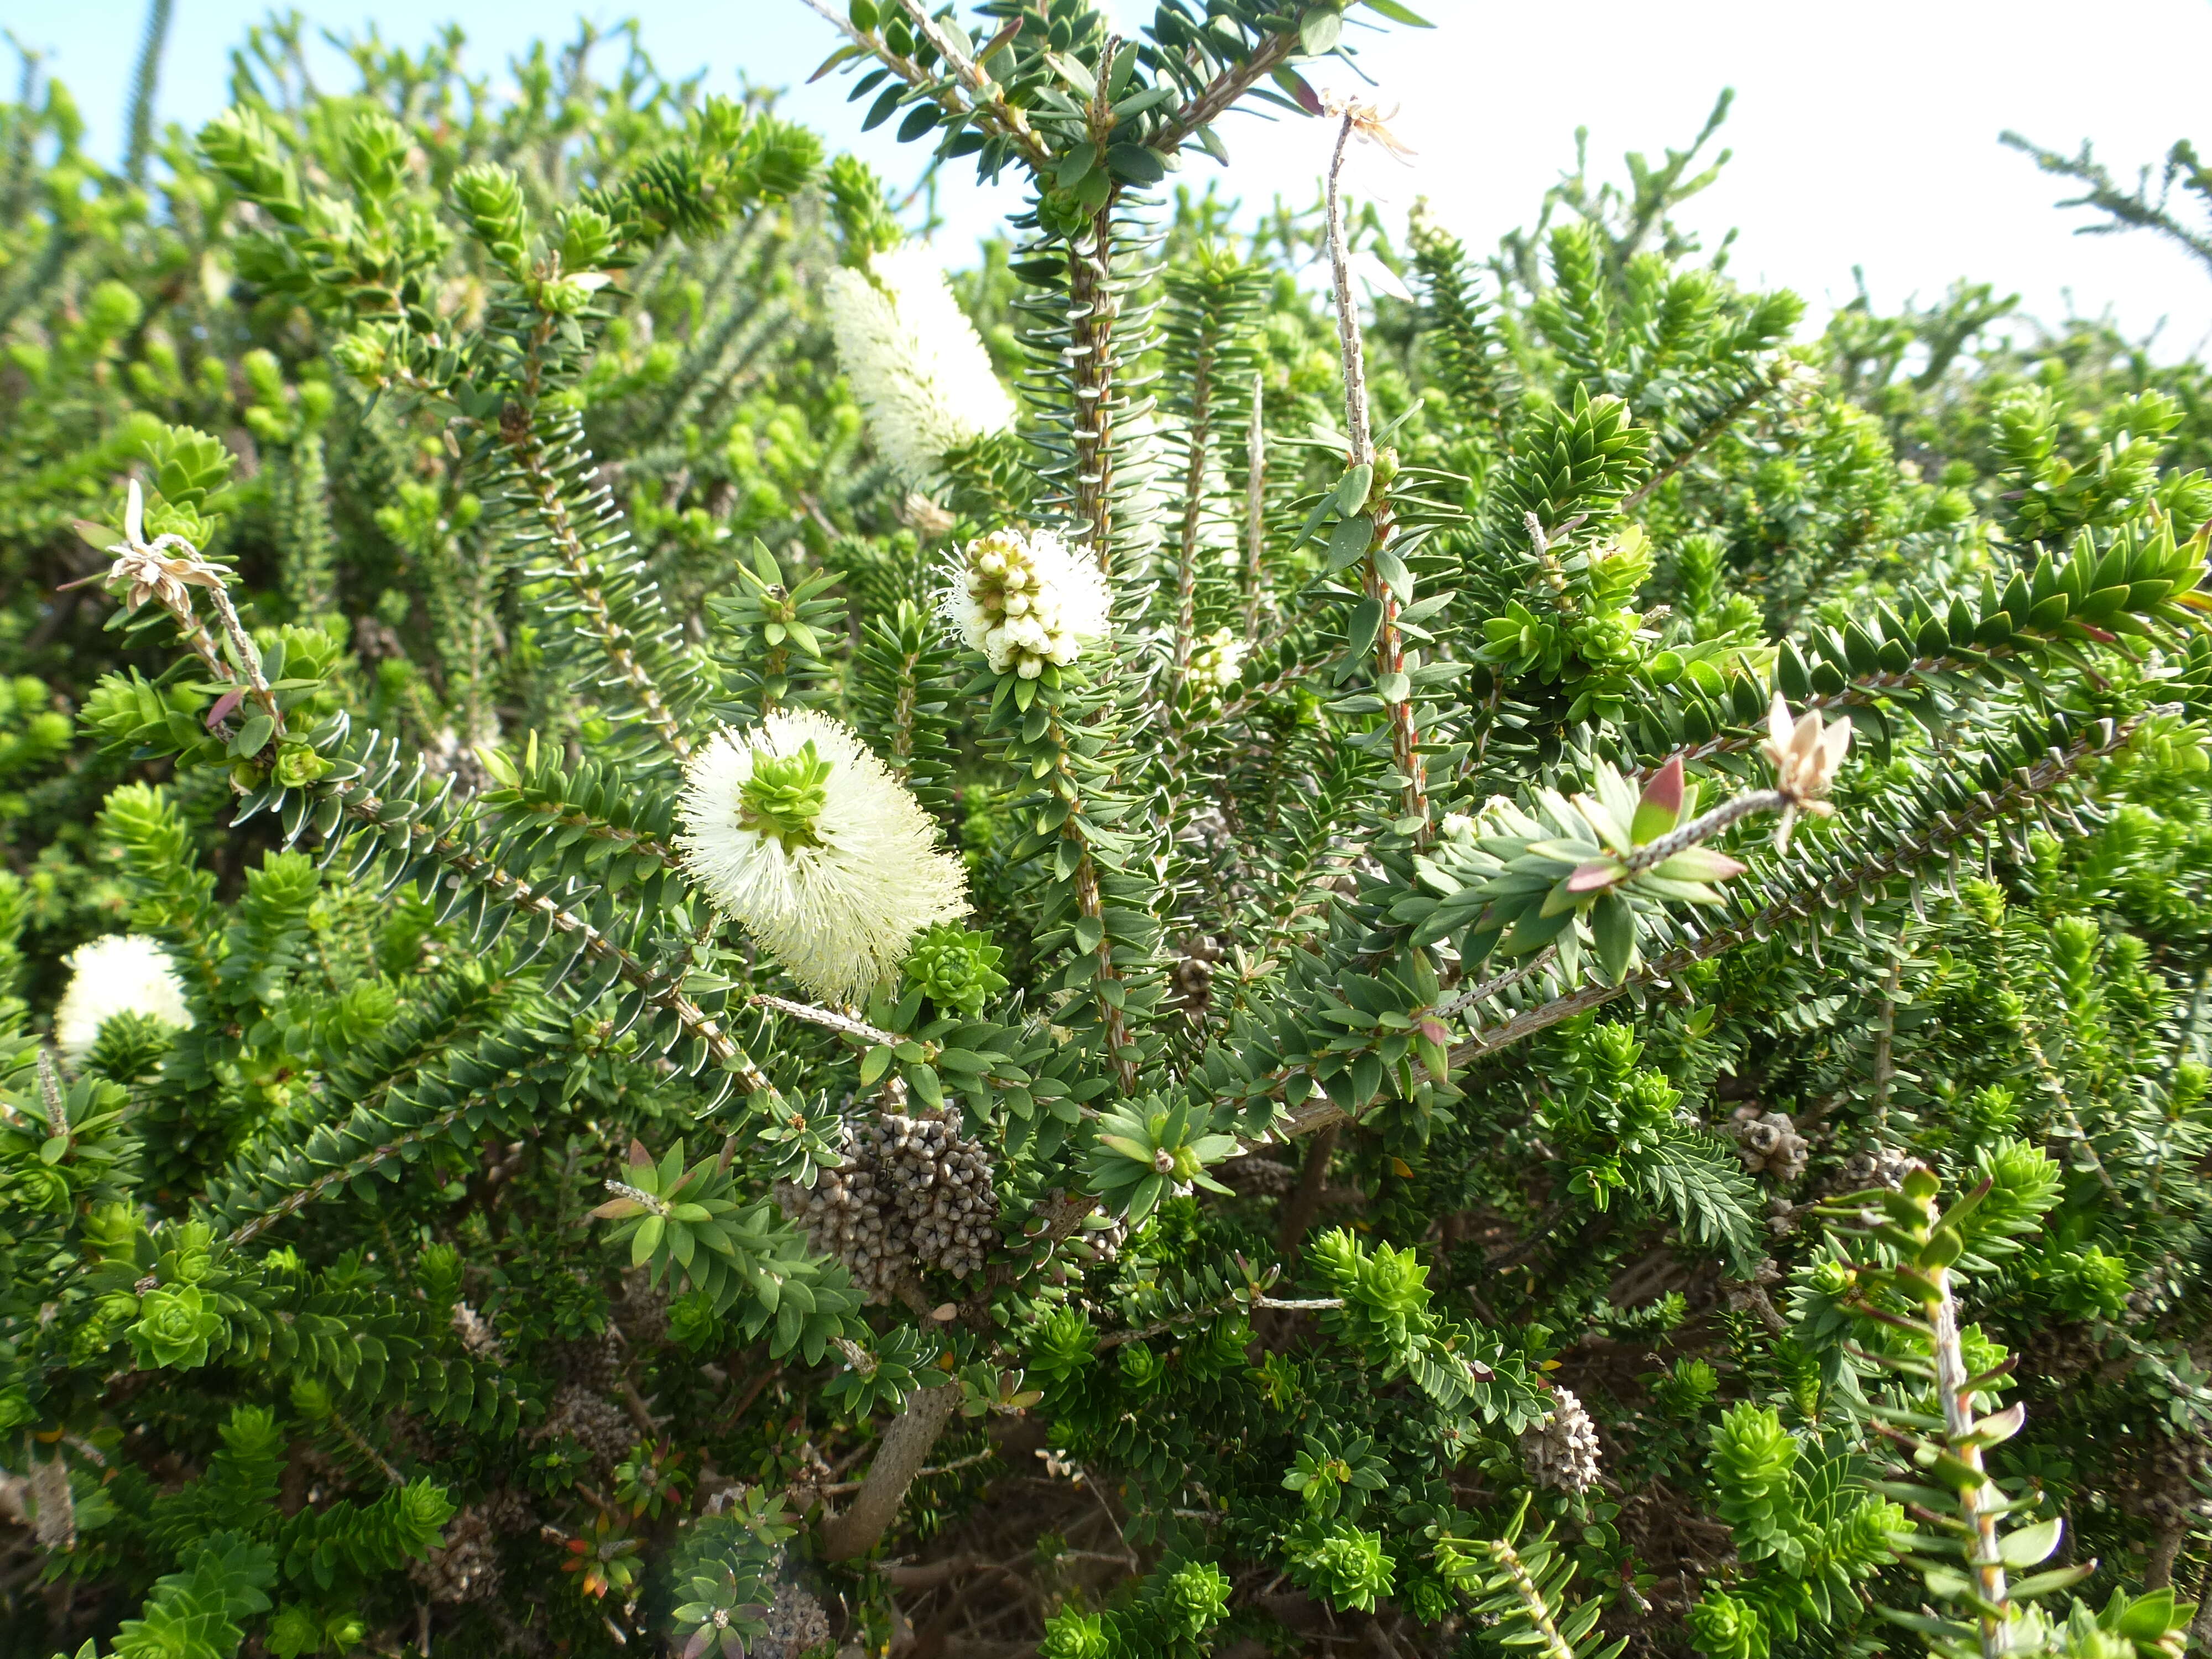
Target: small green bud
<point x="955" y="968"/>
<point x="784" y="796"/>
<point x="298" y="766"/>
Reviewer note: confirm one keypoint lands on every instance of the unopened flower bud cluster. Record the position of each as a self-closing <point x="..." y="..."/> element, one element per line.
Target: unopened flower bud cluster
<point x="1218" y="665"/>
<point x="1025" y="601"/>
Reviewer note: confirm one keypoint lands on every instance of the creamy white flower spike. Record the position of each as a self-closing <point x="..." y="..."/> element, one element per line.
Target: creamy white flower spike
<point x="1219" y="663"/>
<point x="914" y="362"/>
<point x="805" y="838"/>
<point x="121" y="974"/>
<point x="1025" y="601"/>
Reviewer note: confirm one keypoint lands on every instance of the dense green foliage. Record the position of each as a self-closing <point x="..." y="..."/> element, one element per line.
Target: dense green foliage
<point x="1428" y="1140"/>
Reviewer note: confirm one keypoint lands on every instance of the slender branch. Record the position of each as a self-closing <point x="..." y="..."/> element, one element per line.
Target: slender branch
<point x="1505" y="981"/>
<point x="520" y="431"/>
<point x="2025" y="785"/>
<point x="858" y="1029"/>
<point x="1724" y="420"/>
<point x="1350" y="347"/>
<point x="1194" y="507"/>
<point x="981" y="87"/>
<point x="993" y="111"/>
<point x="1552" y="1644"/>
<point x="1390" y="670"/>
<point x="1979" y="1503"/>
<point x="1224" y="89"/>
<point x="1706" y="826"/>
<point x="662" y="992"/>
<point x="1255" y="508"/>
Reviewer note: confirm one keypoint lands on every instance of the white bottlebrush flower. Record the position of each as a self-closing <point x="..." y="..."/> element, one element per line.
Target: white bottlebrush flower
<point x="1025" y="601"/>
<point x="803" y="836"/>
<point x="1219" y="663"/>
<point x="914" y="362"/>
<point x="121" y="974"/>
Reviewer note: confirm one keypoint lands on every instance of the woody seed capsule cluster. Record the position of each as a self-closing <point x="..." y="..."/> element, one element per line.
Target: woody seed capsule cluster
<point x="1768" y="1143"/>
<point x="912" y="1191"/>
<point x="1562" y="1451"/>
<point x="796" y="1626"/>
<point x="466" y="1568"/>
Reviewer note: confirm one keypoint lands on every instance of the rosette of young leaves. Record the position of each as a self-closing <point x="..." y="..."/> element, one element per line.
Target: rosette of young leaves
<point x="1803" y="1525"/>
<point x="1387" y="1320"/>
<point x="689" y="1221"/>
<point x="722" y="1569"/>
<point x="368" y="252"/>
<point x="1145" y="1150"/>
<point x="2047" y="496"/>
<point x="955" y="968"/>
<point x="773" y="636"/>
<point x="1588" y="866"/>
<point x="62" y="1148"/>
<point x="1346" y="1565"/>
<point x="1337" y="1473"/>
<point x="1168" y="1618"/>
<point x="1590" y="638"/>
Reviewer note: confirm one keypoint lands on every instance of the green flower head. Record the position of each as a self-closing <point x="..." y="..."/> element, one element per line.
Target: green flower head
<point x="176" y="1323"/>
<point x="955" y="968"/>
<point x="784" y="796"/>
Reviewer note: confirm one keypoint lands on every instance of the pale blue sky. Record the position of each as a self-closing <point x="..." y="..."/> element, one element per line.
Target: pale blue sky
<point x="1863" y="136"/>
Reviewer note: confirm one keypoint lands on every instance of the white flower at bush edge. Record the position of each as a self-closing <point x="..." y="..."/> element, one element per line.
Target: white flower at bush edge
<point x="803" y="837"/>
<point x="914" y="362"/>
<point x="1218" y="665"/>
<point x="1025" y="601"/>
<point x="121" y="974"/>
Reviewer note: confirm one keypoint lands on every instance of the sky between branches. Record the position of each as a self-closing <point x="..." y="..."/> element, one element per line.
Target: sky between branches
<point x="1864" y="135"/>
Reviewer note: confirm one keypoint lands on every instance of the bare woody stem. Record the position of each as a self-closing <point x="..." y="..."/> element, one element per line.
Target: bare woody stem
<point x="1706" y="826"/>
<point x="1978" y="1504"/>
<point x="845" y="1025"/>
<point x="1255" y="508"/>
<point x="1352" y="348"/>
<point x="1389" y="644"/>
<point x="900" y="1456"/>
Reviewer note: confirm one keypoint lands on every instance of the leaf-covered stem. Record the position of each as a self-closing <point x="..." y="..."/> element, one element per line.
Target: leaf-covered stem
<point x="521" y="435"/>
